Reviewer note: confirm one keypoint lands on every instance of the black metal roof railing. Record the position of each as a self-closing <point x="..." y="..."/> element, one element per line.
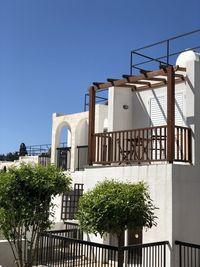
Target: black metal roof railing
<point x="169" y="48"/>
<point x="35" y="150"/>
<point x="99" y="99"/>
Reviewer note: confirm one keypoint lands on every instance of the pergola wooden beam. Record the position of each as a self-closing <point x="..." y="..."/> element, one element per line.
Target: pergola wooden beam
<point x="91" y="128"/>
<point x="153" y="86"/>
<point x="144" y="71"/>
<point x="112" y="80"/>
<point x="132" y="79"/>
<point x="145" y="87"/>
<point x="170" y="113"/>
<point x="127" y="76"/>
<point x="156" y="79"/>
<point x="143" y="82"/>
<point x="97" y="84"/>
<point x="177" y="68"/>
<point x="179" y="75"/>
<point x="136" y="82"/>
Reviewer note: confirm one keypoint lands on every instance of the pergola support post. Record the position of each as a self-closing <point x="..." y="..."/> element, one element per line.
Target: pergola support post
<point x="170" y="113"/>
<point x="91" y="129"/>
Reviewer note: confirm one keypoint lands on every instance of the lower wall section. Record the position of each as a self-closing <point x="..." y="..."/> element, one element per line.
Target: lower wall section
<point x="186" y="200"/>
<point x="6" y="256"/>
<point x="157" y="177"/>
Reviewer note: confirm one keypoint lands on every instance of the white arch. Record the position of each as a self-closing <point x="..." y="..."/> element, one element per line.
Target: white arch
<point x="58" y="131"/>
<point x="58" y="124"/>
<point x="76" y="124"/>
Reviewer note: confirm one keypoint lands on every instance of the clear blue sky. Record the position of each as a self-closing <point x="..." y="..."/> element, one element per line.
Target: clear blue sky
<point x="52" y="50"/>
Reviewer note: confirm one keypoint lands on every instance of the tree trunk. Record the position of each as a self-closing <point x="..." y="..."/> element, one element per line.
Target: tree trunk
<point x="120" y="250"/>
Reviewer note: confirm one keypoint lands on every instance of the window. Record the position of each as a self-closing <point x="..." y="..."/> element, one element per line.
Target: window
<point x="158" y="110"/>
<point x="70" y="202"/>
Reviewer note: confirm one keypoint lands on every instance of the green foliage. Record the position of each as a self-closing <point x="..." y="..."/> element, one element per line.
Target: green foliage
<point x="26" y="208"/>
<point x="113" y="206"/>
<point x="9" y="157"/>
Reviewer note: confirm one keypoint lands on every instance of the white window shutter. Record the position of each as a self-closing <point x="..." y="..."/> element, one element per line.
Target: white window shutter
<point x="179" y="109"/>
<point x="158" y="110"/>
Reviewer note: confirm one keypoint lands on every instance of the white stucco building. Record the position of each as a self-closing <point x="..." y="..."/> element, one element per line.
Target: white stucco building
<point x="148" y="130"/>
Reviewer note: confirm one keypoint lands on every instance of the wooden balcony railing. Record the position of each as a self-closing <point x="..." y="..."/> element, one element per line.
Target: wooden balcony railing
<point x="182" y="144"/>
<point x="141" y="145"/>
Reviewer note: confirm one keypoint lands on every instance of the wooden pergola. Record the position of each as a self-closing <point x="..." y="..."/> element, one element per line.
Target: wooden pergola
<point x="147" y="80"/>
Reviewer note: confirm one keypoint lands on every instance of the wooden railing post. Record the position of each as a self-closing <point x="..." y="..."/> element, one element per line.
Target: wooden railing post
<point x="170" y="113"/>
<point x="189" y="145"/>
<point x="91" y="129"/>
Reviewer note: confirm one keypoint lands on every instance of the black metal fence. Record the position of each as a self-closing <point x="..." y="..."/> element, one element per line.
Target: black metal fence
<point x="36" y="150"/>
<point x="146" y="255"/>
<point x="163" y="52"/>
<point x="71" y="230"/>
<point x="57" y="249"/>
<point x="99" y="99"/>
<point x="44" y="159"/>
<point x="188" y="254"/>
<point x="64" y="157"/>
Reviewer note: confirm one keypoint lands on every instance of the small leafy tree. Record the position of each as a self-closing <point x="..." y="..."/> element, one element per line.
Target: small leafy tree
<point x="22" y="150"/>
<point x="112" y="207"/>
<point x="26" y="207"/>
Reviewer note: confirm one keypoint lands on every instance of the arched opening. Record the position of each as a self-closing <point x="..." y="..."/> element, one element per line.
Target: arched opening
<point x="63" y="146"/>
<point x="65" y="137"/>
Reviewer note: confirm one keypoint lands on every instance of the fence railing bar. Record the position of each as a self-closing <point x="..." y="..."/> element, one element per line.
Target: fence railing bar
<point x="57" y="250"/>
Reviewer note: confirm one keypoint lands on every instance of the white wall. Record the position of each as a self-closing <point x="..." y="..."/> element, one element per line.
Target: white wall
<point x="186" y="199"/>
<point x="25" y="159"/>
<point x="142" y="107"/>
<point x="193" y="107"/>
<point x="138" y="113"/>
<point x="118" y="117"/>
<point x="6" y="256"/>
<point x="158" y="178"/>
<point x="101" y="114"/>
<point x="186" y="182"/>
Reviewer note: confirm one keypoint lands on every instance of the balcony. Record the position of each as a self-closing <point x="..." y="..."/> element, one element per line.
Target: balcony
<point x="141" y="145"/>
<point x="164" y="142"/>
<point x="64" y="157"/>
